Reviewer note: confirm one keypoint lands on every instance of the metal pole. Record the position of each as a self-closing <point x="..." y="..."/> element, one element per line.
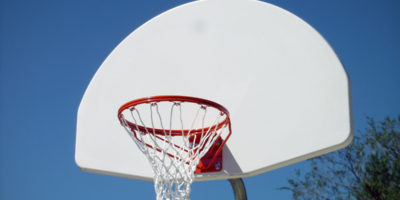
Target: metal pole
<point x="238" y="188"/>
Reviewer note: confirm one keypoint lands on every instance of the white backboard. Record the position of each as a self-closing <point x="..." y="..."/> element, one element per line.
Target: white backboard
<point x="286" y="90"/>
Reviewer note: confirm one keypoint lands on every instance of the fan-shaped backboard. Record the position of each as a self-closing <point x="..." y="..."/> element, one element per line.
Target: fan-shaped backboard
<point x="286" y="90"/>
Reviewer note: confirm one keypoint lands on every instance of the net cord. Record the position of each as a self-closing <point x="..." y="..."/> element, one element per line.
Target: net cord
<point x="172" y="164"/>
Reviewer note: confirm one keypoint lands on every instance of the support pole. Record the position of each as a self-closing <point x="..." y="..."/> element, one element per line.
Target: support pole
<point x="238" y="188"/>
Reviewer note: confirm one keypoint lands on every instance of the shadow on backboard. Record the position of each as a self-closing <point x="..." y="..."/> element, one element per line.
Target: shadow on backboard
<point x="230" y="166"/>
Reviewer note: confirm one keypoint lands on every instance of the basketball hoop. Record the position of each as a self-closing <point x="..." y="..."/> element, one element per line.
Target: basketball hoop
<point x="175" y="132"/>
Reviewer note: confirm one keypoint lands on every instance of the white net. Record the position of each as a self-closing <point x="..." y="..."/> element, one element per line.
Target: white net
<point x="174" y="136"/>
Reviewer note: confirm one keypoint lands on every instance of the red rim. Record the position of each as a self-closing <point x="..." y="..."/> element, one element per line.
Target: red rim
<point x="173" y="98"/>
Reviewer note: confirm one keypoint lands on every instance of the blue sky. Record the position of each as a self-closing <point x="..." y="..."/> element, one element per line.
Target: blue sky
<point x="49" y="50"/>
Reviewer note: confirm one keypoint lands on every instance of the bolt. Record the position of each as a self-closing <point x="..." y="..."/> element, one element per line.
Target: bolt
<point x="217" y="165"/>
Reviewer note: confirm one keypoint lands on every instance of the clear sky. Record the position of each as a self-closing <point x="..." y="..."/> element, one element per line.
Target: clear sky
<point x="49" y="50"/>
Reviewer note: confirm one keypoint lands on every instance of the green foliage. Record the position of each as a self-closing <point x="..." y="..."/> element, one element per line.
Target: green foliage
<point x="369" y="168"/>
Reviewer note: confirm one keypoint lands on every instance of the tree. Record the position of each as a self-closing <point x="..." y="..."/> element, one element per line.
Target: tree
<point x="369" y="168"/>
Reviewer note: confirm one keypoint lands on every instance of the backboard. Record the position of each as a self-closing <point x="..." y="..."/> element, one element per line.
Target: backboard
<point x="286" y="90"/>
